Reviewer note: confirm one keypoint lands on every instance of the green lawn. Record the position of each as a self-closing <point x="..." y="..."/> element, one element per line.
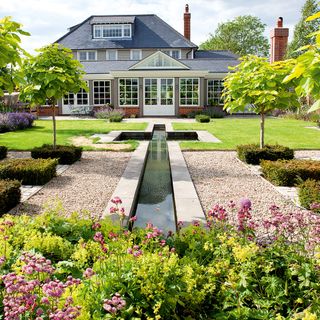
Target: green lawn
<point x="235" y="131"/>
<point x="41" y="132"/>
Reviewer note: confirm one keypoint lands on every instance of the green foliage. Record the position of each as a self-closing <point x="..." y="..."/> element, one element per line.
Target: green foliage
<point x="3" y="152"/>
<point x="309" y="194"/>
<point x="11" y="53"/>
<point x="253" y="154"/>
<point x="9" y="195"/>
<point x="243" y="35"/>
<point x="116" y="118"/>
<point x="28" y="171"/>
<point x="202" y="118"/>
<point x="290" y="172"/>
<point x="64" y="154"/>
<point x="303" y="29"/>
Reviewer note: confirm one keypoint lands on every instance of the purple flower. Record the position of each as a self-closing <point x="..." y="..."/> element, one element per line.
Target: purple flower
<point x="245" y="204"/>
<point x="88" y="273"/>
<point x="115" y="304"/>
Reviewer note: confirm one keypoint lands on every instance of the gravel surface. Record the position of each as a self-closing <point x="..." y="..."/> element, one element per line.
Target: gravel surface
<point x="219" y="177"/>
<point x="86" y="185"/>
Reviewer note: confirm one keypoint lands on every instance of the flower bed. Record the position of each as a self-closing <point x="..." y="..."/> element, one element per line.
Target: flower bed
<point x="291" y="172"/>
<point x="28" y="171"/>
<point x="87" y="269"/>
<point x="12" y="121"/>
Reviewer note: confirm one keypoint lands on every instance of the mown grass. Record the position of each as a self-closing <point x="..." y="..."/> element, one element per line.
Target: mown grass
<point x="235" y="131"/>
<point x="42" y="132"/>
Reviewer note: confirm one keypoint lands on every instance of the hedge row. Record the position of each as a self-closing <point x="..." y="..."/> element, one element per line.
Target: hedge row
<point x="202" y="118"/>
<point x="309" y="195"/>
<point x="290" y="172"/>
<point x="253" y="154"/>
<point x="64" y="154"/>
<point x="10" y="195"/>
<point x="3" y="152"/>
<point x="28" y="171"/>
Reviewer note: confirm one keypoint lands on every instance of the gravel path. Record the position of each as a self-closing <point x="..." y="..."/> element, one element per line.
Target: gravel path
<point x="87" y="185"/>
<point x="219" y="177"/>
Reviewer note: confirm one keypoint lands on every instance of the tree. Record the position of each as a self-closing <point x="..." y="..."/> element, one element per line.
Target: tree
<point x="303" y="29"/>
<point x="10" y="53"/>
<point x="257" y="84"/>
<point x="306" y="70"/>
<point x="49" y="76"/>
<point x="243" y="36"/>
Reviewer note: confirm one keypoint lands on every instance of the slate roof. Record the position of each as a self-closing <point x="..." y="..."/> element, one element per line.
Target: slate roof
<point x="149" y="31"/>
<point x="112" y="19"/>
<point x="210" y="65"/>
<point x="215" y="54"/>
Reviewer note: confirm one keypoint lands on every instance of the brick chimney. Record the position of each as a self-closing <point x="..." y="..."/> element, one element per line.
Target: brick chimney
<point x="187" y="22"/>
<point x="279" y="41"/>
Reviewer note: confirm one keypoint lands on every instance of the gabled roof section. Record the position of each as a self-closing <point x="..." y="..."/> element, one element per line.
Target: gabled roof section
<point x="149" y="31"/>
<point x="159" y="60"/>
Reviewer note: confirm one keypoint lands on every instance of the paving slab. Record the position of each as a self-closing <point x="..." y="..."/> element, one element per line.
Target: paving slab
<point x="188" y="207"/>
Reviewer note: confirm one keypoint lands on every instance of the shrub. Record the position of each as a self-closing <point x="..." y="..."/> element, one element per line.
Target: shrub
<point x="116" y="118"/>
<point x="290" y="172"/>
<point x="252" y="154"/>
<point x="202" y="118"/>
<point x="309" y="195"/>
<point x="193" y="114"/>
<point x="108" y="112"/>
<point x="214" y="112"/>
<point x="12" y="121"/>
<point x="3" y="152"/>
<point x="64" y="154"/>
<point x="9" y="195"/>
<point x="28" y="171"/>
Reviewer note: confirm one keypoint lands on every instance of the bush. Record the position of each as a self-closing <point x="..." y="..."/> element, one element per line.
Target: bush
<point x="202" y="118"/>
<point x="309" y="195"/>
<point x="108" y="112"/>
<point x="116" y="118"/>
<point x="214" y="112"/>
<point x="193" y="114"/>
<point x="290" y="172"/>
<point x="64" y="154"/>
<point x="9" y="195"/>
<point x="252" y="154"/>
<point x="12" y="121"/>
<point x="28" y="171"/>
<point x="3" y="152"/>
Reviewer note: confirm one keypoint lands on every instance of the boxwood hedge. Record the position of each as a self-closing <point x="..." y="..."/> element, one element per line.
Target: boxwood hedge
<point x="3" y="152"/>
<point x="9" y="195"/>
<point x="309" y="194"/>
<point x="64" y="154"/>
<point x="253" y="154"/>
<point x="28" y="171"/>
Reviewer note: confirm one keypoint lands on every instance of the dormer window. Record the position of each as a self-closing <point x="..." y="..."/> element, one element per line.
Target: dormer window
<point x="109" y="31"/>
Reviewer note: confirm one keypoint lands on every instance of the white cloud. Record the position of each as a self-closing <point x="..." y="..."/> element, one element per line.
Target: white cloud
<point x="48" y="20"/>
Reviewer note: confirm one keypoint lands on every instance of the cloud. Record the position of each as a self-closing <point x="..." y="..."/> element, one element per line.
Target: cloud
<point x="48" y="20"/>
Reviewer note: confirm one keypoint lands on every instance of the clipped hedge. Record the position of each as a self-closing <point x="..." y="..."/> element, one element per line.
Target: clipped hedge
<point x="10" y="195"/>
<point x="290" y="172"/>
<point x="253" y="154"/>
<point x="64" y="154"/>
<point x="309" y="194"/>
<point x="3" y="152"/>
<point x="202" y="118"/>
<point x="28" y="171"/>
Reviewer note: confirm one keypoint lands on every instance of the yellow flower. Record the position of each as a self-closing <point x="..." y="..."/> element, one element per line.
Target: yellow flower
<point x="244" y="253"/>
<point x="309" y="316"/>
<point x="279" y="317"/>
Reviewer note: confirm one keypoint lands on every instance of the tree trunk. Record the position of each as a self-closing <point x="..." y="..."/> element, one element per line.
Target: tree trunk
<point x="54" y="125"/>
<point x="262" y="130"/>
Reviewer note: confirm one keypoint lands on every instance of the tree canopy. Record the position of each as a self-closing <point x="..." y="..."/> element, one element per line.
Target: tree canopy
<point x="51" y="75"/>
<point x="258" y="85"/>
<point x="243" y="36"/>
<point x="10" y="53"/>
<point x="303" y="29"/>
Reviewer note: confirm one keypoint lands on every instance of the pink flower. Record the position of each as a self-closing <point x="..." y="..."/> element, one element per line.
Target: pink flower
<point x="116" y="200"/>
<point x="245" y="204"/>
<point x="133" y="219"/>
<point x="88" y="273"/>
<point x="115" y="304"/>
<point x="96" y="226"/>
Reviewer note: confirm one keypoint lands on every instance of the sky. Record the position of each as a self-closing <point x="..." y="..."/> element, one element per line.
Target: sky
<point x="49" y="20"/>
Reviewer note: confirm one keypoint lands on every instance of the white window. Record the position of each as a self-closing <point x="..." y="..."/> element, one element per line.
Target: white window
<point x="129" y="92"/>
<point x="189" y="92"/>
<point x="135" y="54"/>
<point x="215" y="88"/>
<point x="80" y="99"/>
<point x="112" y="55"/>
<point x="112" y="31"/>
<point x="87" y="55"/>
<point x="176" y="54"/>
<point x="101" y="92"/>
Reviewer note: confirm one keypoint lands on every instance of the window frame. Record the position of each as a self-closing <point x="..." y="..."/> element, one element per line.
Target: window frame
<point x="93" y="93"/>
<point x="220" y="103"/>
<point x="138" y="95"/>
<point x="101" y="27"/>
<point x="189" y="105"/>
<point x="170" y="51"/>
<point x="135" y="50"/>
<point x="107" y="54"/>
<point x="87" y="55"/>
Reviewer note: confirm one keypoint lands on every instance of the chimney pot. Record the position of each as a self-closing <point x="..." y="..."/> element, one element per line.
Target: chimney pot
<point x="187" y="8"/>
<point x="280" y="22"/>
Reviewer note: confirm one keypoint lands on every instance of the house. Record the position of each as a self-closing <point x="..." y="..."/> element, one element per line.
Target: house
<point x="141" y="64"/>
